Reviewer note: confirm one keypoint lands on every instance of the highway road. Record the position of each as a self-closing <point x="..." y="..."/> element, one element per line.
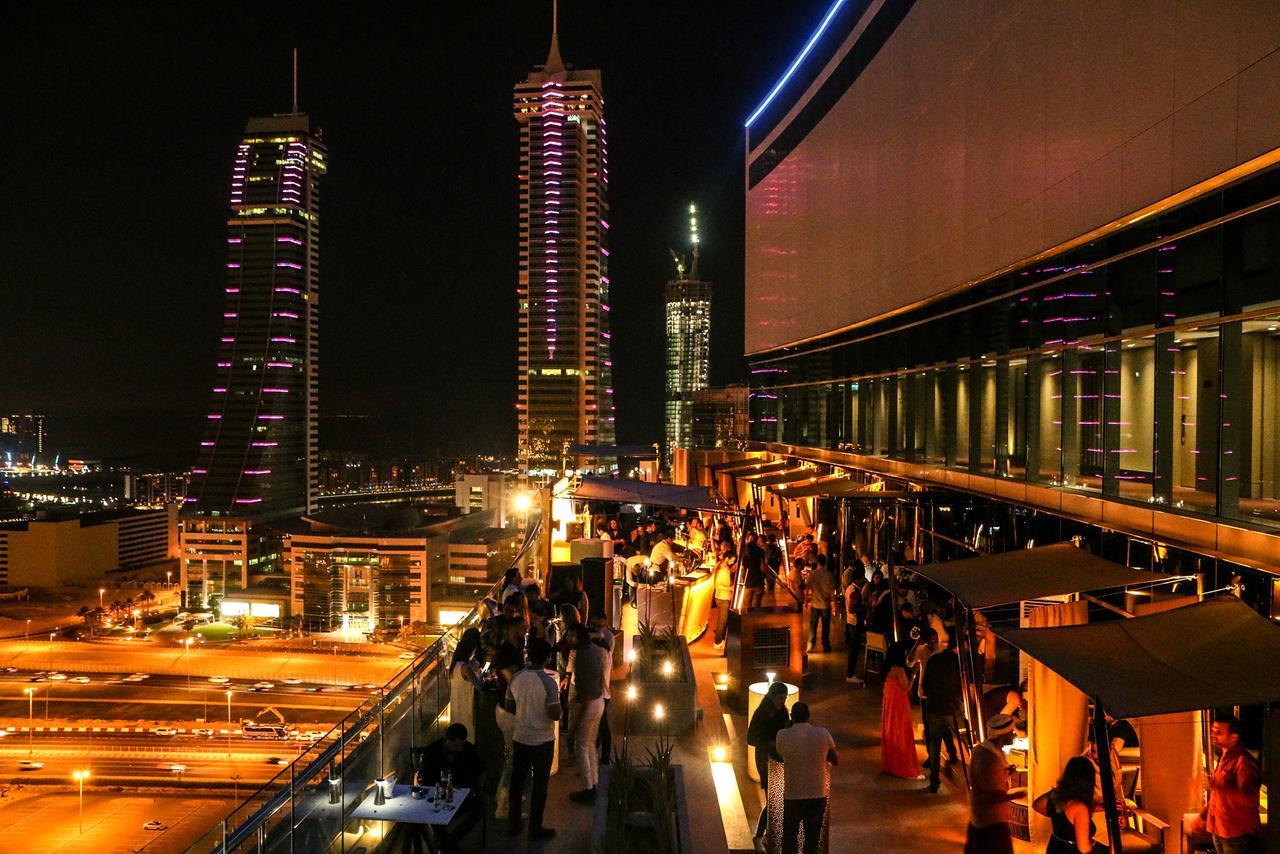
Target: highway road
<point x="165" y="699"/>
<point x="239" y="662"/>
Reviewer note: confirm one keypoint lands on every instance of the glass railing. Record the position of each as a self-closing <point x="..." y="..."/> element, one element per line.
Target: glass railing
<point x="308" y="805"/>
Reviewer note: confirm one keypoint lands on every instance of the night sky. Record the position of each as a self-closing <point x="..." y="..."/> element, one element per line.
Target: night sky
<point x="117" y="127"/>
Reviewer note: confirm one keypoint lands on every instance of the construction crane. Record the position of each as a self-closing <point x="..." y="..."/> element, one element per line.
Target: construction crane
<point x="272" y="709"/>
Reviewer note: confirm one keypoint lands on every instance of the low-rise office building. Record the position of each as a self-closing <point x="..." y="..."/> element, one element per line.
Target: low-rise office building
<point x="52" y="551"/>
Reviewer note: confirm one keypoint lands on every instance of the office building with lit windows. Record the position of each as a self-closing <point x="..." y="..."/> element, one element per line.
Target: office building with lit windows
<point x="565" y="393"/>
<point x="687" y="300"/>
<point x="1032" y="257"/>
<point x="258" y="456"/>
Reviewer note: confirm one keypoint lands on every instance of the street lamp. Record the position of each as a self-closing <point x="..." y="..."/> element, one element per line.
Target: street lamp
<point x="52" y="635"/>
<point x="27" y="636"/>
<point x="80" y="777"/>
<point x="31" y="714"/>
<point x="101" y="590"/>
<point x="168" y="578"/>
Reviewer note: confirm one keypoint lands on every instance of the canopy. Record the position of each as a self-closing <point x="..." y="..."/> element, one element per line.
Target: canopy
<point x="743" y="468"/>
<point x="737" y="460"/>
<point x="1002" y="579"/>
<point x="835" y="486"/>
<point x="794" y="475"/>
<point x="1208" y="655"/>
<point x="591" y="487"/>
<point x="598" y="451"/>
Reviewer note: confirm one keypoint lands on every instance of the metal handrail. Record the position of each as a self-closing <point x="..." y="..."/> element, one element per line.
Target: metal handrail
<point x="253" y="825"/>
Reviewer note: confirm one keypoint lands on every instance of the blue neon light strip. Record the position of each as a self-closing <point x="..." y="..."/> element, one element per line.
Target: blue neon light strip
<point x="791" y="69"/>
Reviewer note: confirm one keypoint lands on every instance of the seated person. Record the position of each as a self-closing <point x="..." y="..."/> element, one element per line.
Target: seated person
<point x="459" y="757"/>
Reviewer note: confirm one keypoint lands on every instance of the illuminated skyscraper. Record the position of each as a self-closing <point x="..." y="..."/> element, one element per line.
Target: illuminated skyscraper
<point x="258" y="455"/>
<point x="565" y="369"/>
<point x="688" y="302"/>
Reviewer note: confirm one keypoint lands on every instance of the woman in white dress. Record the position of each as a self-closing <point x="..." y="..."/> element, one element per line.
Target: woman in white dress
<point x="462" y="687"/>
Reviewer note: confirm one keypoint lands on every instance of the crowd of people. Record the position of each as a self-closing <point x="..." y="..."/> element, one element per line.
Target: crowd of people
<point x="549" y="658"/>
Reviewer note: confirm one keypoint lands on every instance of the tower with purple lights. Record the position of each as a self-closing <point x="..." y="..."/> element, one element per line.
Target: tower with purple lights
<point x="565" y="393"/>
<point x="258" y="455"/>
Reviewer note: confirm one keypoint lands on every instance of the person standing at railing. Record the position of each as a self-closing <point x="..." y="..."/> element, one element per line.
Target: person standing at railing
<point x="463" y="676"/>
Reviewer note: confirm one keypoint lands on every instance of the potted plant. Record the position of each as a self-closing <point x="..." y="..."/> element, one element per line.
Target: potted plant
<point x="663" y="673"/>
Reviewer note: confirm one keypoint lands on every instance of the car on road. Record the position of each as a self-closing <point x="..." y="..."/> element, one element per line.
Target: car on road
<point x="57" y="677"/>
<point x="154" y="825"/>
<point x="291" y="680"/>
<point x="203" y="731"/>
<point x="364" y="686"/>
<point x="263" y="686"/>
<point x="163" y="730"/>
<point x="276" y="760"/>
<point x="38" y="679"/>
<point x="8" y="670"/>
<point x="219" y="680"/>
<point x="406" y="655"/>
<point x="177" y="767"/>
<point x="79" y="680"/>
<point x="30" y="765"/>
<point x="314" y="734"/>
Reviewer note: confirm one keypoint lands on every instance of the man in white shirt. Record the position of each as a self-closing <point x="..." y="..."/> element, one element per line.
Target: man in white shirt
<point x="663" y="557"/>
<point x="806" y="751"/>
<point x="534" y="698"/>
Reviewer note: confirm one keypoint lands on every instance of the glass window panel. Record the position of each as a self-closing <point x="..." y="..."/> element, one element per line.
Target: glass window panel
<point x="1044" y="396"/>
<point x="1082" y="445"/>
<point x="988" y="401"/>
<point x="1011" y="445"/>
<point x="1258" y="436"/>
<point x="1135" y="427"/>
<point x="1195" y="357"/>
<point x="960" y="455"/>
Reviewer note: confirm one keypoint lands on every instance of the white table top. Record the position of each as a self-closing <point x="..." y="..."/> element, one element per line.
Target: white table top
<point x="400" y="806"/>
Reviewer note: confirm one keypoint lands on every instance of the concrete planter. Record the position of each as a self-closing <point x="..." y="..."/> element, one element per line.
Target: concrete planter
<point x="641" y="826"/>
<point x="677" y="693"/>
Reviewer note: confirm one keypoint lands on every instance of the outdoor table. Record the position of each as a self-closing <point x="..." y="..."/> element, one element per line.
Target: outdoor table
<point x="401" y="807"/>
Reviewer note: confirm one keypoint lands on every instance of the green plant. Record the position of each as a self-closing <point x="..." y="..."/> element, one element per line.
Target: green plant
<point x="660" y="787"/>
<point x="647" y="638"/>
<point x="622" y="780"/>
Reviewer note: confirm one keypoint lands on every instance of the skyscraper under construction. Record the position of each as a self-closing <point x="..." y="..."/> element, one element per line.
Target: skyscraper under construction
<point x="688" y="310"/>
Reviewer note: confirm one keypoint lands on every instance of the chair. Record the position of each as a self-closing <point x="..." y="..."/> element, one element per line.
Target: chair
<point x="1142" y="833"/>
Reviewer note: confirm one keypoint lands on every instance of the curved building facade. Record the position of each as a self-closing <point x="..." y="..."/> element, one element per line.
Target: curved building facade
<point x="1033" y="256"/>
<point x="258" y="454"/>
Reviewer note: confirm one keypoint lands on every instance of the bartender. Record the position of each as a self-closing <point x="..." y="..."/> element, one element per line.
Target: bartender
<point x="662" y="559"/>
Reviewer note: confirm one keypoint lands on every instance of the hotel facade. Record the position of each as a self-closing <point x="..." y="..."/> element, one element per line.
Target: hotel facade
<point x="1033" y="261"/>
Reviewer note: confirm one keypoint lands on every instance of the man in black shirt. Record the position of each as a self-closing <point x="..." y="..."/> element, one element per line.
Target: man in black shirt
<point x="773" y="560"/>
<point x="940" y="693"/>
<point x="459" y="757"/>
<point x="753" y="564"/>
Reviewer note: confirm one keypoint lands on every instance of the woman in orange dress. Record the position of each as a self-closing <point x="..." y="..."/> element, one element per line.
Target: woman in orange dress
<point x="897" y="726"/>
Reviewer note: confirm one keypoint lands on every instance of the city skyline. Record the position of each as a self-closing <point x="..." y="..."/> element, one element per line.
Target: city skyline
<point x="120" y="363"/>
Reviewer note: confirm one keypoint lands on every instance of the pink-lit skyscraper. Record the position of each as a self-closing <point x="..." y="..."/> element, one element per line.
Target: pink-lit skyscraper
<point x="258" y="456"/>
<point x="565" y="367"/>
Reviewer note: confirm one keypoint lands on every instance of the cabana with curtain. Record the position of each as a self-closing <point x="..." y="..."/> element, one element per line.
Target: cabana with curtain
<point x="1057" y="712"/>
<point x="1212" y="654"/>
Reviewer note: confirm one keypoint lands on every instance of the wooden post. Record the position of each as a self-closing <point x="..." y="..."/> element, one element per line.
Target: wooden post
<point x="1102" y="740"/>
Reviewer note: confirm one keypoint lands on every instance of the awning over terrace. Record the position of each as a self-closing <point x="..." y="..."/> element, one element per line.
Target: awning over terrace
<point x="1002" y="579"/>
<point x="642" y="452"/>
<point x="791" y="475"/>
<point x="592" y="488"/>
<point x="834" y="486"/>
<point x="741" y="468"/>
<point x="1208" y="655"/>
